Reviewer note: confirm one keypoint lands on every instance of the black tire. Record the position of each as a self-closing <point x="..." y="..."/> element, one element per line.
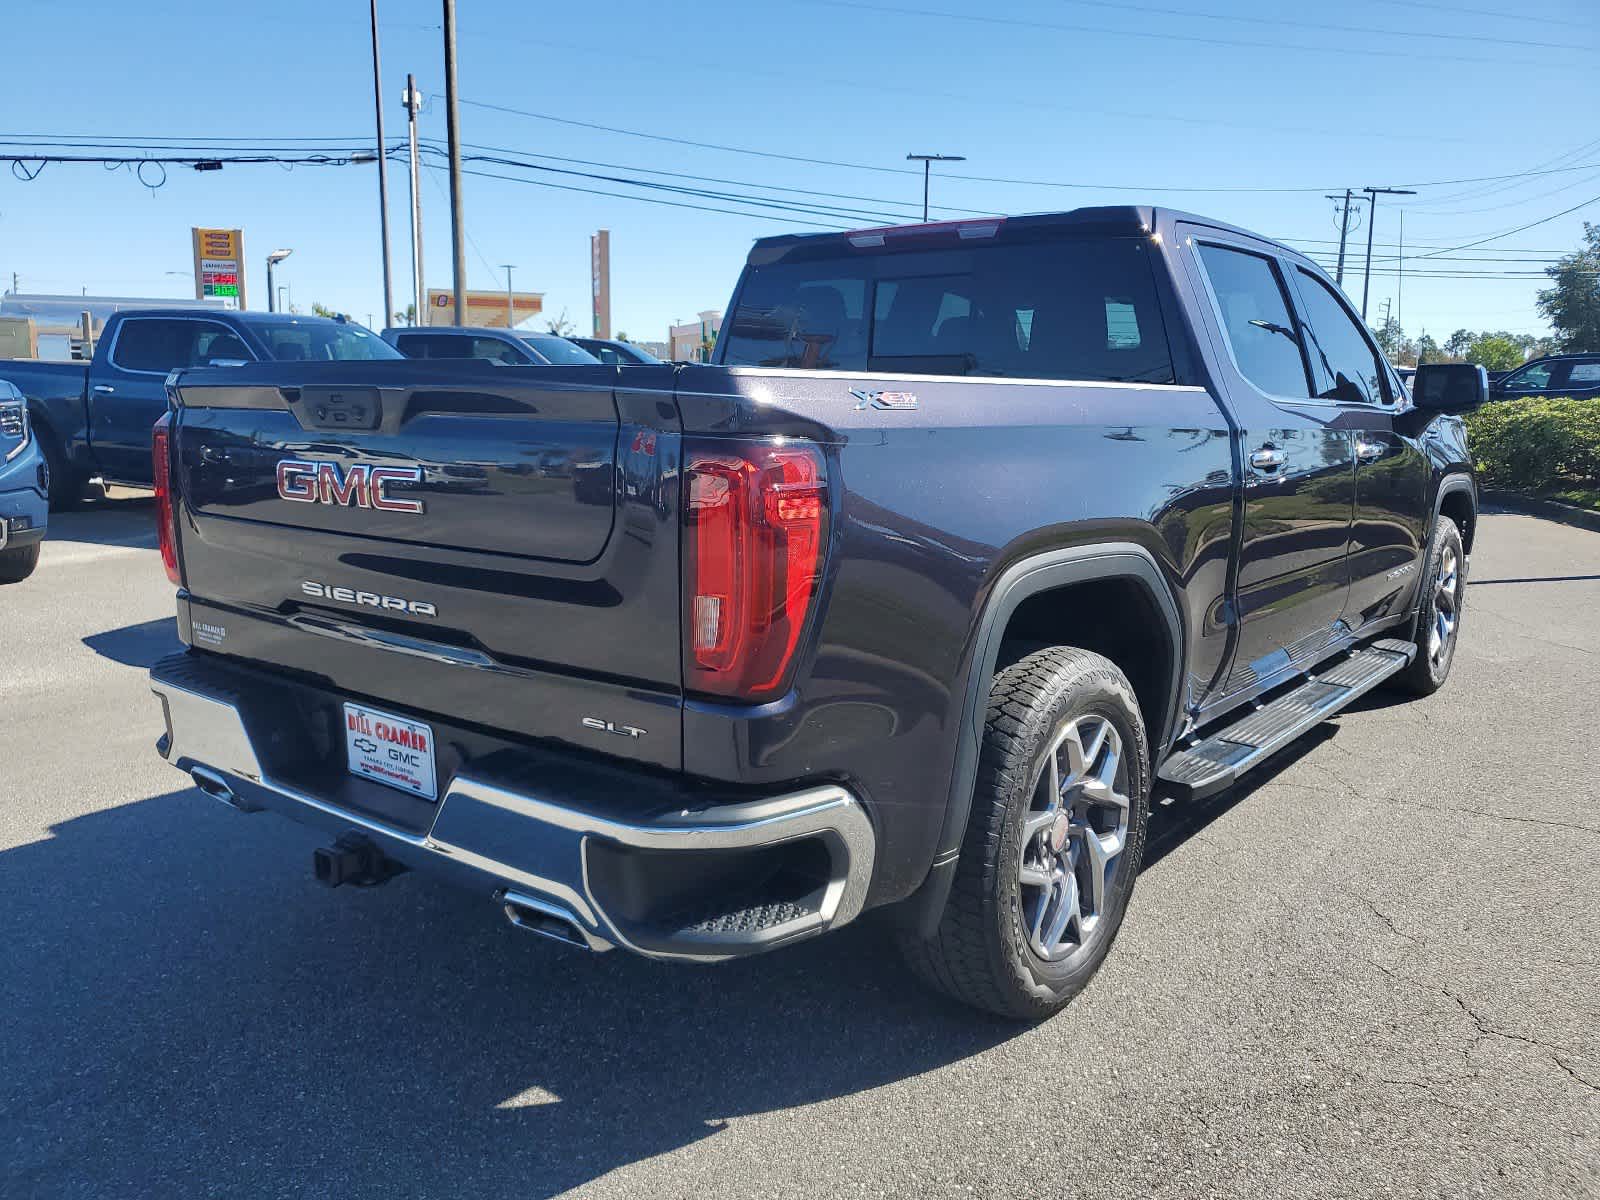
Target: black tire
<point x="66" y="482"/>
<point x="1429" y="670"/>
<point x="17" y="563"/>
<point x="982" y="953"/>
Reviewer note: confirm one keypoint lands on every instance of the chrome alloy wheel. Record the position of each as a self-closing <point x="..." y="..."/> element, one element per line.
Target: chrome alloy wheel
<point x="1446" y="606"/>
<point x="1073" y="836"/>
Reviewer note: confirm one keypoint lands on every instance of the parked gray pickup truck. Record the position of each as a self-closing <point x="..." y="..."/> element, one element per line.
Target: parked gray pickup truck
<point x="976" y="538"/>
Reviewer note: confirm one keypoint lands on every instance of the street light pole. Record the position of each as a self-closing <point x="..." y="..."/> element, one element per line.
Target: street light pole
<point x="273" y="259"/>
<point x="511" y="313"/>
<point x="413" y="102"/>
<point x="1372" y="220"/>
<point x="926" y="160"/>
<point x="452" y="118"/>
<point x="383" y="170"/>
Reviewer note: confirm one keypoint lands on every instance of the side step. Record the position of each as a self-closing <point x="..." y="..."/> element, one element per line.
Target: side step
<point x="1214" y="764"/>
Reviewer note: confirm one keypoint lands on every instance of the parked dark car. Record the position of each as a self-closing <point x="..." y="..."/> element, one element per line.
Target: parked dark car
<point x="506" y="346"/>
<point x="614" y="353"/>
<point x="95" y="419"/>
<point x="976" y="538"/>
<point x="1576" y="375"/>
<point x="24" y="481"/>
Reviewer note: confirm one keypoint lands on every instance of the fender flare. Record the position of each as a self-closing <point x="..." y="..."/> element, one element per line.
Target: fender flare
<point x="1029" y="577"/>
<point x="1455" y="481"/>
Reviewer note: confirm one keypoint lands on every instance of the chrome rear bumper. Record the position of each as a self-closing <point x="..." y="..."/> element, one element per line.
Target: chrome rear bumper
<point x="531" y="855"/>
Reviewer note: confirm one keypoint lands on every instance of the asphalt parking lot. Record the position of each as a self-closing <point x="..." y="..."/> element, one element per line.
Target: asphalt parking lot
<point x="1373" y="971"/>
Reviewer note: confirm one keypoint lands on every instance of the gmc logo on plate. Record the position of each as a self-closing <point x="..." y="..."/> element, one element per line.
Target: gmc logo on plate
<point x="359" y="486"/>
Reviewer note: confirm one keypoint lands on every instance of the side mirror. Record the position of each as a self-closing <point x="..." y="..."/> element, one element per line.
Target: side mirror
<point x="1449" y="387"/>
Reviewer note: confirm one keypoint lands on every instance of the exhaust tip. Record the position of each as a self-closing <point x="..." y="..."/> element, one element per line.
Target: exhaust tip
<point x="547" y="920"/>
<point x="216" y="785"/>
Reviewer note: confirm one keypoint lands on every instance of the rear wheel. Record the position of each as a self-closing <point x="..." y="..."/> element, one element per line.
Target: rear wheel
<point x="17" y="563"/>
<point x="1054" y="842"/>
<point x="1444" y="594"/>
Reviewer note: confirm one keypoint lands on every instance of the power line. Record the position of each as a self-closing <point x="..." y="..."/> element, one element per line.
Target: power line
<point x="1495" y="237"/>
<point x="1519" y="17"/>
<point x="564" y="187"/>
<point x="1321" y="27"/>
<point x="1157" y="35"/>
<point x="1050" y="183"/>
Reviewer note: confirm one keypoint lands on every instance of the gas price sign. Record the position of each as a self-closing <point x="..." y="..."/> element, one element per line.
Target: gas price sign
<point x="219" y="266"/>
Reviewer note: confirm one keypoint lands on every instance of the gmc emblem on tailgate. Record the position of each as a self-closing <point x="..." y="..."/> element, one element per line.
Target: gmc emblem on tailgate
<point x="360" y="486"/>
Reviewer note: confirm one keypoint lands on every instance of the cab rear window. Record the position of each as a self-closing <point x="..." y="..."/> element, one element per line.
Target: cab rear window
<point x="1081" y="308"/>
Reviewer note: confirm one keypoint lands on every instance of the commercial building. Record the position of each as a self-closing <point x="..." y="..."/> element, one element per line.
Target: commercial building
<point x="694" y="341"/>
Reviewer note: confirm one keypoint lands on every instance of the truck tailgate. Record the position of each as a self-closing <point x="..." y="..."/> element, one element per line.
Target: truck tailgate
<point x="496" y="543"/>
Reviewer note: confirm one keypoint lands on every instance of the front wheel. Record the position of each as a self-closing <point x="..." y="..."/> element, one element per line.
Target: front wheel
<point x="17" y="563"/>
<point x="1444" y="594"/>
<point x="1054" y="841"/>
<point x="65" y="482"/>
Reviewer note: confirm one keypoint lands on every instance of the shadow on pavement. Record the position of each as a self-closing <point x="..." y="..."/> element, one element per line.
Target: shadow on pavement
<point x="127" y="520"/>
<point x="187" y="1014"/>
<point x="137" y="645"/>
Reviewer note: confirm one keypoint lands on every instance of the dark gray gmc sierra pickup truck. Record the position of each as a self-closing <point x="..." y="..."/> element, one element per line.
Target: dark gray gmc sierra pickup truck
<point x="975" y="537"/>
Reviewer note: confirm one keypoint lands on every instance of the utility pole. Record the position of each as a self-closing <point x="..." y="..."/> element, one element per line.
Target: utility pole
<point x="452" y="118"/>
<point x="413" y="102"/>
<point x="1400" y="285"/>
<point x="926" y="160"/>
<point x="1372" y="220"/>
<point x="1344" y="233"/>
<point x="511" y="312"/>
<point x="383" y="170"/>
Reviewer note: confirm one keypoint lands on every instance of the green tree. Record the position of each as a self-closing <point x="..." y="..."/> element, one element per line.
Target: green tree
<point x="319" y="309"/>
<point x="1496" y="351"/>
<point x="1393" y="342"/>
<point x="1428" y="350"/>
<point x="560" y="326"/>
<point x="1572" y="305"/>
<point x="1456" y="344"/>
<point x="621" y="337"/>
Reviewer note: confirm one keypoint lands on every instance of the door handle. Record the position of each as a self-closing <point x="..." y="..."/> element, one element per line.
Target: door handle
<point x="1267" y="459"/>
<point x="105" y="389"/>
<point x="1368" y="451"/>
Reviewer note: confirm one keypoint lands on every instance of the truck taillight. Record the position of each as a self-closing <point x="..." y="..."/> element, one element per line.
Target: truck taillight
<point x="166" y="511"/>
<point x="756" y="524"/>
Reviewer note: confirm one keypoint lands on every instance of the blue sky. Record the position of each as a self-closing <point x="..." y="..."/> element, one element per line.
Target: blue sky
<point x="1128" y="102"/>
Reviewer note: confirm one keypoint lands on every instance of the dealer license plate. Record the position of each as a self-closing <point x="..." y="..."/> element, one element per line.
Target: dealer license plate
<point x="390" y="749"/>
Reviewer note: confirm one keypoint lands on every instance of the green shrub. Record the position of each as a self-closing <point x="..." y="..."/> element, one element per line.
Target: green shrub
<point x="1536" y="444"/>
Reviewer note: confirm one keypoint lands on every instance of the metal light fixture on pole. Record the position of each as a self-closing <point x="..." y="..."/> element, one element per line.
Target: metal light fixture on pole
<point x="926" y="160"/>
<point x="1372" y="220"/>
<point x="511" y="312"/>
<point x="383" y="169"/>
<point x="273" y="259"/>
<point x="413" y="102"/>
<point x="452" y="119"/>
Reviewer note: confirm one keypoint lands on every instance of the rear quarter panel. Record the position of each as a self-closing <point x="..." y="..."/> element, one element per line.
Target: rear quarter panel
<point x="930" y="508"/>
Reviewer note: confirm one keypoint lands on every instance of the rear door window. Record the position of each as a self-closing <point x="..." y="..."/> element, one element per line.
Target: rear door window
<point x="1256" y="319"/>
<point x="1070" y="308"/>
<point x="149" y="344"/>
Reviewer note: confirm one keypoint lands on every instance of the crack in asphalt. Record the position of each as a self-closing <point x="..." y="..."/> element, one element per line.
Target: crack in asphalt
<point x="1361" y="793"/>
